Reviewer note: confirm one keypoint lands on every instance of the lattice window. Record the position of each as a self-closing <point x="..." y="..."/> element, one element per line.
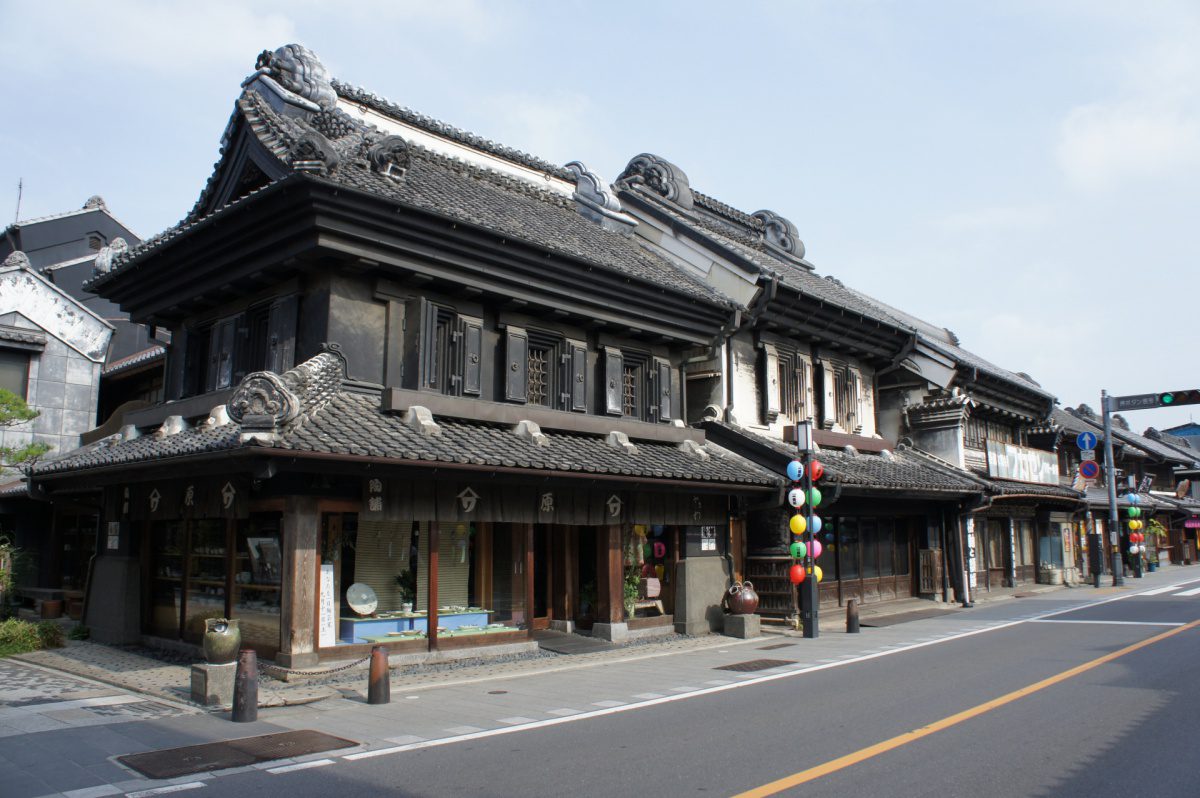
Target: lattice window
<point x="540" y="389"/>
<point x="631" y="389"/>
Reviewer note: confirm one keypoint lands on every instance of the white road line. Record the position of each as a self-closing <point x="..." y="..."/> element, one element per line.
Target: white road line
<point x="93" y="792"/>
<point x="316" y="763"/>
<point x="647" y="696"/>
<point x="191" y="785"/>
<point x="609" y="703"/>
<point x="1159" y="590"/>
<point x="81" y="703"/>
<point x="517" y="720"/>
<point x="1193" y="592"/>
<point x="562" y="713"/>
<point x="749" y="680"/>
<point x="1114" y="623"/>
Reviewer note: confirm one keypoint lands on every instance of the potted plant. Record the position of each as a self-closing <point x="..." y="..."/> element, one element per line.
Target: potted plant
<point x="633" y="579"/>
<point x="406" y="585"/>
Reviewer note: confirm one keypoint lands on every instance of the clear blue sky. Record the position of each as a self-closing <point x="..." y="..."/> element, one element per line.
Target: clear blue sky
<point x="1024" y="173"/>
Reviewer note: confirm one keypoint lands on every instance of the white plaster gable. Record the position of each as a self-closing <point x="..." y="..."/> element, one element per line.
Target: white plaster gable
<point x="51" y="309"/>
<point x="737" y="283"/>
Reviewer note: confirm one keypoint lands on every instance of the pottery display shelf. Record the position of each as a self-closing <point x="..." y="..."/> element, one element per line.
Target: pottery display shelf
<point x="362" y="630"/>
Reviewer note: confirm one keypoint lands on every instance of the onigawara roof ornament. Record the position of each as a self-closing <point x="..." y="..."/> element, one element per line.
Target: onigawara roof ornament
<point x="108" y="255"/>
<point x="297" y="71"/>
<point x="780" y="233"/>
<point x="660" y="176"/>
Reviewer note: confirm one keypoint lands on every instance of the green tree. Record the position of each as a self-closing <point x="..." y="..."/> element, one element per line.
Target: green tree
<point x="14" y="411"/>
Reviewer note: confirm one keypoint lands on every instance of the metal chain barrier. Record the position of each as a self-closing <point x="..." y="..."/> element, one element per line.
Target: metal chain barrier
<point x="263" y="667"/>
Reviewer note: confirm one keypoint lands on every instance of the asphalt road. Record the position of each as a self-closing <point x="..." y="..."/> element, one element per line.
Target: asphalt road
<point x="1122" y="727"/>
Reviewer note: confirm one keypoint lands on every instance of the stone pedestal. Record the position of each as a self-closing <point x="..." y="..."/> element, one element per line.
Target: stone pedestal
<point x="212" y="685"/>
<point x="700" y="586"/>
<point x="563" y="626"/>
<point x="613" y="632"/>
<point x="743" y="627"/>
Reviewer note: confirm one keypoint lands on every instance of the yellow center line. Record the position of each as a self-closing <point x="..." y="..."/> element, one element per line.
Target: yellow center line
<point x="863" y="754"/>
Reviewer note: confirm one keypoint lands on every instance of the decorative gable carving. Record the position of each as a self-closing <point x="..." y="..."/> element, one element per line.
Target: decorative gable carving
<point x="390" y="157"/>
<point x="660" y="176"/>
<point x="314" y="153"/>
<point x="597" y="202"/>
<point x="780" y="233"/>
<point x="109" y="255"/>
<point x="263" y="401"/>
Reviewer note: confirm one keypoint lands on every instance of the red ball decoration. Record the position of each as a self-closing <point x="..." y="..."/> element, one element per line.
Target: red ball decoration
<point x="816" y="470"/>
<point x="796" y="574"/>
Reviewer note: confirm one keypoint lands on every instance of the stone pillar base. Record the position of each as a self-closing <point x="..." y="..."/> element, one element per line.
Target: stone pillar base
<point x="743" y="627"/>
<point x="613" y="632"/>
<point x="307" y="659"/>
<point x="563" y="626"/>
<point x="212" y="685"/>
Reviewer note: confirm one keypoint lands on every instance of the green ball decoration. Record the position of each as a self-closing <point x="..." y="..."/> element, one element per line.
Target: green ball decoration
<point x="814" y="497"/>
<point x="796" y="550"/>
<point x="1135" y="512"/>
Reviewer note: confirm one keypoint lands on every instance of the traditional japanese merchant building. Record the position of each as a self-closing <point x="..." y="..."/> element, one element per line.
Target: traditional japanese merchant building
<point x="408" y="359"/>
<point x="805" y="348"/>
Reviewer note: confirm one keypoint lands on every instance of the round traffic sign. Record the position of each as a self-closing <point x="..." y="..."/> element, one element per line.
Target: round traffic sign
<point x="1089" y="469"/>
<point x="1086" y="440"/>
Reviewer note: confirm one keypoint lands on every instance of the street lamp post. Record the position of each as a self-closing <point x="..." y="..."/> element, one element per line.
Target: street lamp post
<point x="1114" y="524"/>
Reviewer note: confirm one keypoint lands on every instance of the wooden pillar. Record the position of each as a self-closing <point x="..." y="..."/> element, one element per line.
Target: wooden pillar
<point x="435" y="542"/>
<point x="298" y="617"/>
<point x="610" y="575"/>
<point x="483" y="564"/>
<point x="530" y="606"/>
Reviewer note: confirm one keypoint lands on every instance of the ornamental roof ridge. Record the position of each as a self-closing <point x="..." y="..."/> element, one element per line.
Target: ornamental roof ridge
<point x="445" y="130"/>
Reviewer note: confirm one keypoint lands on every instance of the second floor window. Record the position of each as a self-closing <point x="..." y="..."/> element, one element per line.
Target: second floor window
<point x="787" y="384"/>
<point x="637" y="386"/>
<point x="220" y="354"/>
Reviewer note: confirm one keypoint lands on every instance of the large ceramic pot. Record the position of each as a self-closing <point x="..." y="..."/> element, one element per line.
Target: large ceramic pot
<point x="743" y="599"/>
<point x="222" y="639"/>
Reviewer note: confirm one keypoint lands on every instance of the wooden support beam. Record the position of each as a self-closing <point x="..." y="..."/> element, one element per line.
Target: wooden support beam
<point x="530" y="604"/>
<point x="300" y="529"/>
<point x="610" y="575"/>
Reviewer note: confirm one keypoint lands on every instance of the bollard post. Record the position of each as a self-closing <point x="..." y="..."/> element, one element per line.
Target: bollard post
<point x="379" y="680"/>
<point x="852" y="616"/>
<point x="245" y="688"/>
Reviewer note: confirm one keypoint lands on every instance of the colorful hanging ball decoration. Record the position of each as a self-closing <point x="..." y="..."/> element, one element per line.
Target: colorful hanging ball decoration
<point x="814" y="496"/>
<point x="796" y="574"/>
<point x="795" y="470"/>
<point x="798" y="525"/>
<point x="816" y="470"/>
<point x="819" y="573"/>
<point x="796" y="550"/>
<point x="1135" y="524"/>
<point x="657" y="529"/>
<point x="1135" y="512"/>
<point x="796" y="497"/>
<point x="828" y="537"/>
<point x="1134" y="499"/>
<point x="660" y="549"/>
<point x="815" y="548"/>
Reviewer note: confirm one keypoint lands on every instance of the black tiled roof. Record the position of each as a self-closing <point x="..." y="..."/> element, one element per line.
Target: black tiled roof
<point x="466" y="193"/>
<point x="1157" y="449"/>
<point x="900" y="472"/>
<point x="336" y="422"/>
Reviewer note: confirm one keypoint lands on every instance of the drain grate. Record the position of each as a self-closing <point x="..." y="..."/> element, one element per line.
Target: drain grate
<point x="774" y="646"/>
<point x="755" y="665"/>
<point x="172" y="762"/>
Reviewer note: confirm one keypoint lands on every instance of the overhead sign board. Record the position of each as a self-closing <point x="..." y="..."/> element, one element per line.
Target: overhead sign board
<point x="1089" y="469"/>
<point x="1086" y="440"/>
<point x="1143" y="401"/>
<point x="1008" y="461"/>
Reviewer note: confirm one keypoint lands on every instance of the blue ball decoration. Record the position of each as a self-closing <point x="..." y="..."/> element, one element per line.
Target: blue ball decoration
<point x="828" y="537"/>
<point x="795" y="470"/>
<point x="816" y="524"/>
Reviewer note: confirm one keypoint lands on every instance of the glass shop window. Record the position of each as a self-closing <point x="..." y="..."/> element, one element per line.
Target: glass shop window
<point x="206" y="583"/>
<point x="848" y="548"/>
<point x="257" y="581"/>
<point x="167" y="542"/>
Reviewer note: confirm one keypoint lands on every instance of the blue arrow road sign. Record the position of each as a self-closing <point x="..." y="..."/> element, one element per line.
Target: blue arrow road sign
<point x="1086" y="440"/>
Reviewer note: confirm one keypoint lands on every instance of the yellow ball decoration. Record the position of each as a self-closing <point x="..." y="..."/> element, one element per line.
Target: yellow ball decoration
<point x="798" y="525"/>
<point x="1135" y="524"/>
<point x="820" y="574"/>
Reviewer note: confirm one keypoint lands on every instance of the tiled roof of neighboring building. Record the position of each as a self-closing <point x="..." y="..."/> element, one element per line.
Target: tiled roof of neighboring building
<point x="334" y="422"/>
<point x="896" y="471"/>
<point x="16" y="489"/>
<point x="1155" y="448"/>
<point x="150" y="354"/>
<point x="20" y="335"/>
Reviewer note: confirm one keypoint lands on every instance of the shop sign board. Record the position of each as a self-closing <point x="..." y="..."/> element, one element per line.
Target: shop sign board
<point x="705" y="540"/>
<point x="1008" y="461"/>
<point x="1192" y="523"/>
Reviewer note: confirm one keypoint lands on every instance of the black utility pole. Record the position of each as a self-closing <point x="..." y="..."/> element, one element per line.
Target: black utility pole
<point x="1114" y="524"/>
<point x="810" y="595"/>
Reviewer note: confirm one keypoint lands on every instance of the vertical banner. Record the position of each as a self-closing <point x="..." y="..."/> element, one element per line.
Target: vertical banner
<point x="327" y="620"/>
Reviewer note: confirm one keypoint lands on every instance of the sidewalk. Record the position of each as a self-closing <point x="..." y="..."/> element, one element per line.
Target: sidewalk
<point x="437" y="706"/>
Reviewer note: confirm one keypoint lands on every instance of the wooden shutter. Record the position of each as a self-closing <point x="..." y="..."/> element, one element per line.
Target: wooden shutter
<point x="612" y="380"/>
<point x="470" y="341"/>
<point x="281" y="332"/>
<point x="220" y="355"/>
<point x="662" y="379"/>
<point x="577" y="374"/>
<point x="516" y="364"/>
<point x="770" y="382"/>
<point x="420" y="344"/>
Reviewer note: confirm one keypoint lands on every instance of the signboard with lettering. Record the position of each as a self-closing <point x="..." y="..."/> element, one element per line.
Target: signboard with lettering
<point x="327" y="619"/>
<point x="1008" y="461"/>
<point x="705" y="541"/>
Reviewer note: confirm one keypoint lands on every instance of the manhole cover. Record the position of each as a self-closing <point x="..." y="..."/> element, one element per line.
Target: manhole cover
<point x="774" y="646"/>
<point x="755" y="665"/>
<point x="191" y="759"/>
